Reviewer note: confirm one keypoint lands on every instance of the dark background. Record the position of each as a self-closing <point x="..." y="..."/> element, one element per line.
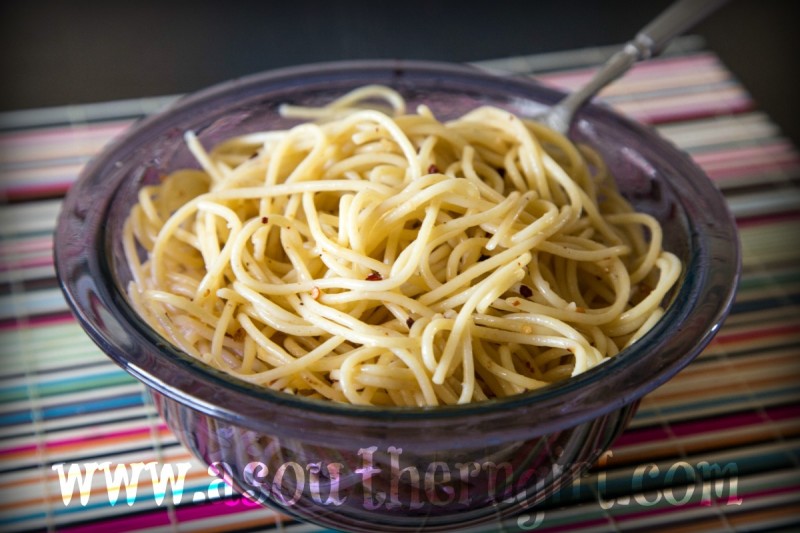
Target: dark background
<point x="70" y="52"/>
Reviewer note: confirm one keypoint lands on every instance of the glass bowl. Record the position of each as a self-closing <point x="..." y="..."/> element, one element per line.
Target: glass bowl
<point x="399" y="469"/>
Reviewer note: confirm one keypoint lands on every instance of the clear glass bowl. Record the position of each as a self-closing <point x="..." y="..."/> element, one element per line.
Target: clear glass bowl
<point x="401" y="469"/>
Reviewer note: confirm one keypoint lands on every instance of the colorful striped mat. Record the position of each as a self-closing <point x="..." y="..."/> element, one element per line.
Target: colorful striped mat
<point x="715" y="449"/>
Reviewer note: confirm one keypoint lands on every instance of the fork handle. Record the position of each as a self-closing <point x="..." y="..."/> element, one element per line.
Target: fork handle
<point x="673" y="21"/>
<point x="649" y="42"/>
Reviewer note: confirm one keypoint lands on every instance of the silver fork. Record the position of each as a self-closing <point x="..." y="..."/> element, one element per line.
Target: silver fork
<point x="648" y="43"/>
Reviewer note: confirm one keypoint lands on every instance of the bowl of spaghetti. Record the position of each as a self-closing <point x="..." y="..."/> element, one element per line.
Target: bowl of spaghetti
<point x="380" y="295"/>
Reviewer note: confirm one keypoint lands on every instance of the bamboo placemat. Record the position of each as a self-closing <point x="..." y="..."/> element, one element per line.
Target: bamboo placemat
<point x="715" y="449"/>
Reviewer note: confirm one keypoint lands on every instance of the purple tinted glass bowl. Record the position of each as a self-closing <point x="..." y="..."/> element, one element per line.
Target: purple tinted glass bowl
<point x="401" y="469"/>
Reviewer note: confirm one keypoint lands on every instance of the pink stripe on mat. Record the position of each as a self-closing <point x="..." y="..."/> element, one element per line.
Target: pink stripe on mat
<point x="132" y="522"/>
<point x="31" y="191"/>
<point x="161" y="517"/>
<point x="707" y="425"/>
<point x="26" y="263"/>
<point x="660" y="68"/>
<point x="60" y="134"/>
<point x="767" y="220"/>
<point x="37" y="321"/>
<point x="87" y="439"/>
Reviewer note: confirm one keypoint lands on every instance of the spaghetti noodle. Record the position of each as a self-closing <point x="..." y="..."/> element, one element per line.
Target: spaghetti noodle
<point x="375" y="256"/>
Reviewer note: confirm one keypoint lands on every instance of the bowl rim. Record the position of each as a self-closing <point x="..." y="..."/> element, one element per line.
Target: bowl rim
<point x="103" y="312"/>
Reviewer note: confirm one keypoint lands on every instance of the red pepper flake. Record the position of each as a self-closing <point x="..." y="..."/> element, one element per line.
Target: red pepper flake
<point x="525" y="291"/>
<point x="264" y="220"/>
<point x="409" y="322"/>
<point x="645" y="289"/>
<point x="433" y="169"/>
<point x="375" y="276"/>
<point x="515" y="303"/>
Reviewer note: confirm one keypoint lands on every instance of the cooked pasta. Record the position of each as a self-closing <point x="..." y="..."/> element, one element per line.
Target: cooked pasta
<point x="374" y="256"/>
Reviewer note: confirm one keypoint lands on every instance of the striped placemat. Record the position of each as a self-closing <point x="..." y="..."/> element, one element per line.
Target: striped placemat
<point x="717" y="448"/>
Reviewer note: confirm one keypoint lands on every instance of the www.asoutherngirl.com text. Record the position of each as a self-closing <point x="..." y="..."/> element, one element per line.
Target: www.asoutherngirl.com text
<point x="410" y="488"/>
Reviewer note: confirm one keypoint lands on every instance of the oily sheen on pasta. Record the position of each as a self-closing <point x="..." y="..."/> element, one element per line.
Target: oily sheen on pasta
<point x="371" y="255"/>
